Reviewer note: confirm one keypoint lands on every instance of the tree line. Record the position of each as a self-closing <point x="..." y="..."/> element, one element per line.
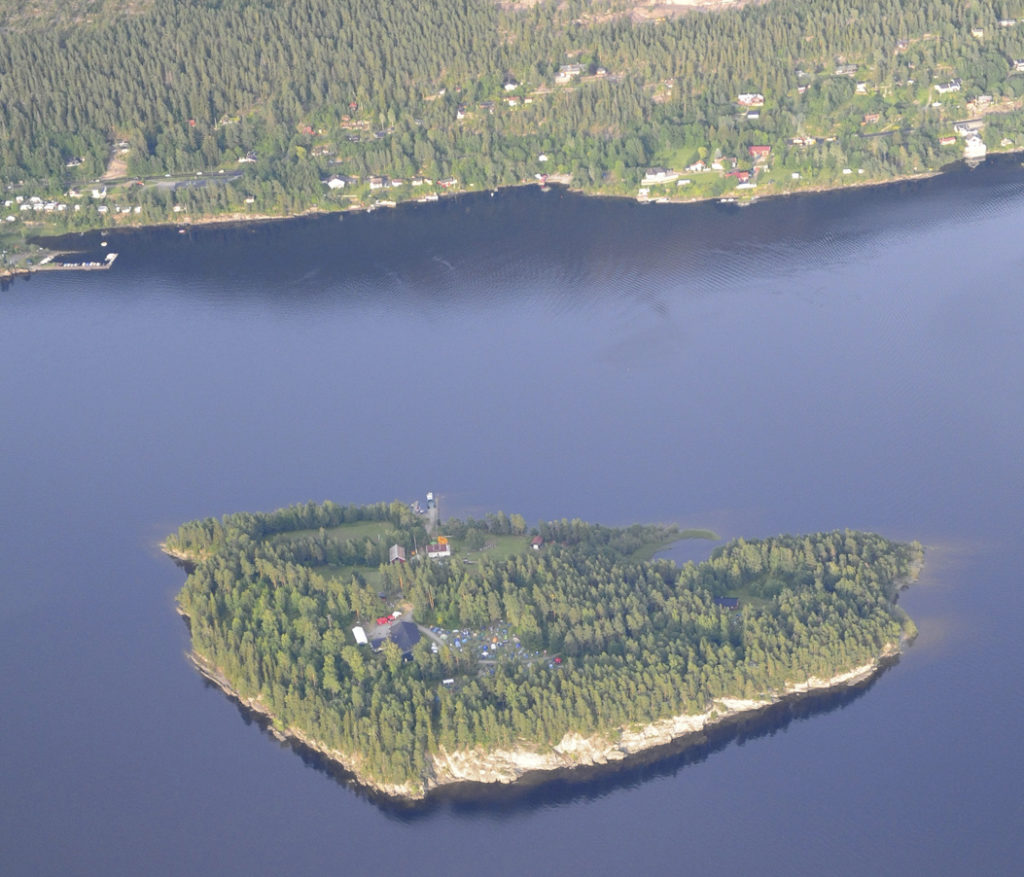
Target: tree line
<point x="314" y="87"/>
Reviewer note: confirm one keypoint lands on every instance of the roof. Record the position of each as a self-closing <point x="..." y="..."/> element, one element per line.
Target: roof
<point x="405" y="635"/>
<point x="727" y="602"/>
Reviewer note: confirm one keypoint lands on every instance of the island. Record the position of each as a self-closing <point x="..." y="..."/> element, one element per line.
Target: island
<point x="417" y="653"/>
<point x="144" y="112"/>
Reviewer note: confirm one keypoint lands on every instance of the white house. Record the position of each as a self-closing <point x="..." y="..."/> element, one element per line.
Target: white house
<point x="439" y="549"/>
<point x="568" y="72"/>
<point x="657" y="175"/>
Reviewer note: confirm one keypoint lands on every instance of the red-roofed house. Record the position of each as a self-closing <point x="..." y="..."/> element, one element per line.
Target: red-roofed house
<point x="759" y="153"/>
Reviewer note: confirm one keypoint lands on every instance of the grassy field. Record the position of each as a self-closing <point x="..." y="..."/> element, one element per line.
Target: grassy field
<point x="497" y="548"/>
<point x="341" y="533"/>
<point x="339" y="573"/>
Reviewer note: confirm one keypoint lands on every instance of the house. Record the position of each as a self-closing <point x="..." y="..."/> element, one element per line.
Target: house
<point x="803" y="140"/>
<point x="697" y="167"/>
<point x="1018" y="66"/>
<point x="740" y="176"/>
<point x="750" y="99"/>
<point x="1007" y="22"/>
<point x="568" y="72"/>
<point x="360" y="635"/>
<point x="947" y="141"/>
<point x="759" y="153"/>
<point x="871" y="118"/>
<point x="338" y="181"/>
<point x="978" y="33"/>
<point x="405" y="635"/>
<point x="968" y="127"/>
<point x="846" y="70"/>
<point x="536" y="542"/>
<point x="753" y="114"/>
<point x="974" y="147"/>
<point x="396" y="554"/>
<point x="948" y="87"/>
<point x="440" y="548"/>
<point x="378" y="183"/>
<point x="657" y="175"/>
<point x="982" y="100"/>
<point x="510" y="85"/>
<point x="727" y="602"/>
<point x="862" y="88"/>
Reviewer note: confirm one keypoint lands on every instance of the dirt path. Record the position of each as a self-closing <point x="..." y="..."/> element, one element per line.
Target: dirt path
<point x="116" y="168"/>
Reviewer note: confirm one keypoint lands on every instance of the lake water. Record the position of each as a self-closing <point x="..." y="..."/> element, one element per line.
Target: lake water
<point x="845" y="360"/>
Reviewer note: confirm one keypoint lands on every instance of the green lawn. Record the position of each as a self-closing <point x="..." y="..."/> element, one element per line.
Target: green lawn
<point x="341" y="533"/>
<point x="497" y="548"/>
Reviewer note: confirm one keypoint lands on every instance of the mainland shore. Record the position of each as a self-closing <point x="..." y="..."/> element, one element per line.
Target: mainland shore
<point x="563" y="181"/>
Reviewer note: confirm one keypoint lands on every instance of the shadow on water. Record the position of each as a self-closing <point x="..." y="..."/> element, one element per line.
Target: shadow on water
<point x="557" y="788"/>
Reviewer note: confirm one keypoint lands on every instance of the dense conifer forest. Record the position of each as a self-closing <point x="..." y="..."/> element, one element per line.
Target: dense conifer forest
<point x="595" y="637"/>
<point x="191" y="108"/>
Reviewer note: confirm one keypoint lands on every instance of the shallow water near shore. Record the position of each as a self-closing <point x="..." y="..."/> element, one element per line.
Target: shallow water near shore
<point x="851" y="359"/>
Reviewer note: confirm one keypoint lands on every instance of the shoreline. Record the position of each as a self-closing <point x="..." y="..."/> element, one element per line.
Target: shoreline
<point x="528" y="764"/>
<point x="562" y="181"/>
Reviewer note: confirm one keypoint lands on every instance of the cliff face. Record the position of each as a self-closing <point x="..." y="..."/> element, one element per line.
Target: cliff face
<point x="573" y="751"/>
<point x="509" y="765"/>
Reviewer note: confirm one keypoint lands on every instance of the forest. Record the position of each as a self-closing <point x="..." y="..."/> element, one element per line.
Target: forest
<point x="604" y="640"/>
<point x="139" y="111"/>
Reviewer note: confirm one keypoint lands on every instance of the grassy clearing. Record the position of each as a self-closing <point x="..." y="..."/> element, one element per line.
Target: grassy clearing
<point x="341" y="533"/>
<point x="339" y="575"/>
<point x="497" y="548"/>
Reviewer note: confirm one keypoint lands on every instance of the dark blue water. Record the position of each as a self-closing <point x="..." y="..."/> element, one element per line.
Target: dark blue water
<point x="843" y="360"/>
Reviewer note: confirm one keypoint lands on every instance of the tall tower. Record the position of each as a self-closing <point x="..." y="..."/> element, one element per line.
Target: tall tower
<point x="433" y="514"/>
